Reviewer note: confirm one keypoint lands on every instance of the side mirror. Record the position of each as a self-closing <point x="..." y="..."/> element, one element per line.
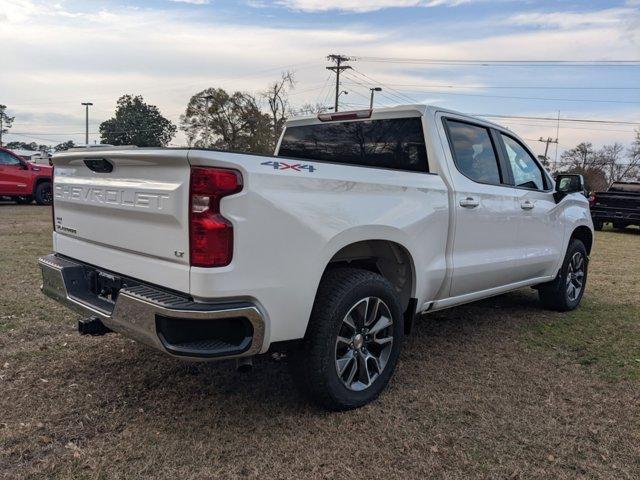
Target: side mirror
<point x="567" y="183"/>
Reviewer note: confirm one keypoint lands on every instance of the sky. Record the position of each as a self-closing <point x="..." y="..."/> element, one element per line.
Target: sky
<point x="58" y="54"/>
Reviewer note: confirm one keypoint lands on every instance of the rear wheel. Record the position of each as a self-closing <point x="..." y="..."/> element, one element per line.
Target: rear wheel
<point x="598" y="224"/>
<point x="565" y="292"/>
<point x="43" y="194"/>
<point x="353" y="340"/>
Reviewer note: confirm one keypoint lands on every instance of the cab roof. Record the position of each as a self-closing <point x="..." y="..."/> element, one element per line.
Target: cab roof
<point x="398" y="111"/>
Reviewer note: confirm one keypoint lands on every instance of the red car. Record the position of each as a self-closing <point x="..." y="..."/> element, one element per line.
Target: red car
<point x="23" y="181"/>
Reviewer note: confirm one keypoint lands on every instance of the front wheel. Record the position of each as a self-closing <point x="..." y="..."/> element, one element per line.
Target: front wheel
<point x="43" y="193"/>
<point x="565" y="292"/>
<point x="353" y="340"/>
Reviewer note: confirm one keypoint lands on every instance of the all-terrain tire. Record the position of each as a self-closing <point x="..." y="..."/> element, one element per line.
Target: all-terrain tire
<point x="559" y="294"/>
<point x="316" y="362"/>
<point x="43" y="194"/>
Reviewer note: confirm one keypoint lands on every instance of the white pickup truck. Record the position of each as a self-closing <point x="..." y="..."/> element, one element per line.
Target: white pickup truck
<point x="361" y="221"/>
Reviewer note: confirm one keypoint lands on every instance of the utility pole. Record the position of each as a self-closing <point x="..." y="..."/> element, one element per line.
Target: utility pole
<point x="373" y="90"/>
<point x="555" y="162"/>
<point x="338" y="59"/>
<point x="206" y="98"/>
<point x="546" y="148"/>
<point x="86" y="123"/>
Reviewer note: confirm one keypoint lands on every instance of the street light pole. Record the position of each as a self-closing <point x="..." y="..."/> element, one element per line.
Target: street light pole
<point x="86" y="134"/>
<point x="373" y="90"/>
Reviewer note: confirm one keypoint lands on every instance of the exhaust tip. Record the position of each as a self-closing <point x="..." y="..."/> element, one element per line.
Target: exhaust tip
<point x="244" y="364"/>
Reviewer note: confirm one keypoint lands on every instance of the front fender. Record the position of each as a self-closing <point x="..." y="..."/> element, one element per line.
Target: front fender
<point x="576" y="214"/>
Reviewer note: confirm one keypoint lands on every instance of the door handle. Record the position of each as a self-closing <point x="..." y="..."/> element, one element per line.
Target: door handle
<point x="527" y="205"/>
<point x="469" y="202"/>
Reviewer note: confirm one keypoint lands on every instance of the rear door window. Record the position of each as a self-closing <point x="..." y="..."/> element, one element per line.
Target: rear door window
<point x="473" y="152"/>
<point x="394" y="143"/>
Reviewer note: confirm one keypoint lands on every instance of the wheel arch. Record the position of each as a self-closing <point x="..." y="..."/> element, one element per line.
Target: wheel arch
<point x="585" y="235"/>
<point x="38" y="181"/>
<point x="388" y="258"/>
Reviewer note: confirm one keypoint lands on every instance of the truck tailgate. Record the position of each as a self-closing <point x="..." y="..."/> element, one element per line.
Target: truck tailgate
<point x="125" y="210"/>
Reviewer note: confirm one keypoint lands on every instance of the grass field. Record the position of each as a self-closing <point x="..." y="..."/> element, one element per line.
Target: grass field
<point x="496" y="389"/>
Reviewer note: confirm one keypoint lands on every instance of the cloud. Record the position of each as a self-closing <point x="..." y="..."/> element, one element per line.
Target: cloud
<point x="567" y="20"/>
<point x="192" y="2"/>
<point x="360" y="6"/>
<point x="60" y="56"/>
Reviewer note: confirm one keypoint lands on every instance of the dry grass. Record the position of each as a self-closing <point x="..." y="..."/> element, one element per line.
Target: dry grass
<point x="497" y="389"/>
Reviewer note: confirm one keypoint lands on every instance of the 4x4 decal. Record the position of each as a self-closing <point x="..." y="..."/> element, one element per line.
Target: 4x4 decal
<point x="298" y="167"/>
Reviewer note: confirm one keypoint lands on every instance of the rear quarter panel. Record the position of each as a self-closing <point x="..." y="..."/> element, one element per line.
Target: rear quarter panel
<point x="288" y="224"/>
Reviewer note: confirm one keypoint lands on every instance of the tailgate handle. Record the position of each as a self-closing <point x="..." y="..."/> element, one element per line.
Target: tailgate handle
<point x="99" y="165"/>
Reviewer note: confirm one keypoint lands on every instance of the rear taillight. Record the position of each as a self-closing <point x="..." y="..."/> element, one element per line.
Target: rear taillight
<point x="592" y="200"/>
<point x="210" y="234"/>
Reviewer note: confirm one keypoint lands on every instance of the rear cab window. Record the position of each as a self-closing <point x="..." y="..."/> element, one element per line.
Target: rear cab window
<point x="397" y="143"/>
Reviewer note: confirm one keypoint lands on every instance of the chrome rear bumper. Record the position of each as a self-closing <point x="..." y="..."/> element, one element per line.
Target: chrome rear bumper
<point x="164" y="320"/>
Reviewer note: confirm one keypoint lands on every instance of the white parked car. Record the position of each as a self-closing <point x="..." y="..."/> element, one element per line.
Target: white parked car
<point x="361" y="221"/>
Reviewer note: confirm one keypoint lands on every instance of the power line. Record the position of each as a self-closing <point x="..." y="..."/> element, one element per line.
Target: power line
<point x="566" y="127"/>
<point x="510" y="87"/>
<point x="393" y="99"/>
<point x="502" y="63"/>
<point x="375" y="82"/>
<point x="581" y="120"/>
<point x="326" y="82"/>
<point x="357" y="93"/>
<point x="581" y="100"/>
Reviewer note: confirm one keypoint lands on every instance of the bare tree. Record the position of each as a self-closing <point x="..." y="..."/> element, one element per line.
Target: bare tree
<point x="611" y="158"/>
<point x="604" y="166"/>
<point x="310" y="109"/>
<point x="633" y="167"/>
<point x="582" y="156"/>
<point x="583" y="159"/>
<point x="277" y="97"/>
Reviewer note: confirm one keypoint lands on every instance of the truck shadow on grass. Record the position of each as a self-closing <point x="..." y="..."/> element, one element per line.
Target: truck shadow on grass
<point x="166" y="383"/>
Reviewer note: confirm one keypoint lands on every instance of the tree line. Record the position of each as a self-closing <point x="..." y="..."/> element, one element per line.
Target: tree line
<point x="213" y="118"/>
<point x="601" y="167"/>
<point x="243" y="122"/>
